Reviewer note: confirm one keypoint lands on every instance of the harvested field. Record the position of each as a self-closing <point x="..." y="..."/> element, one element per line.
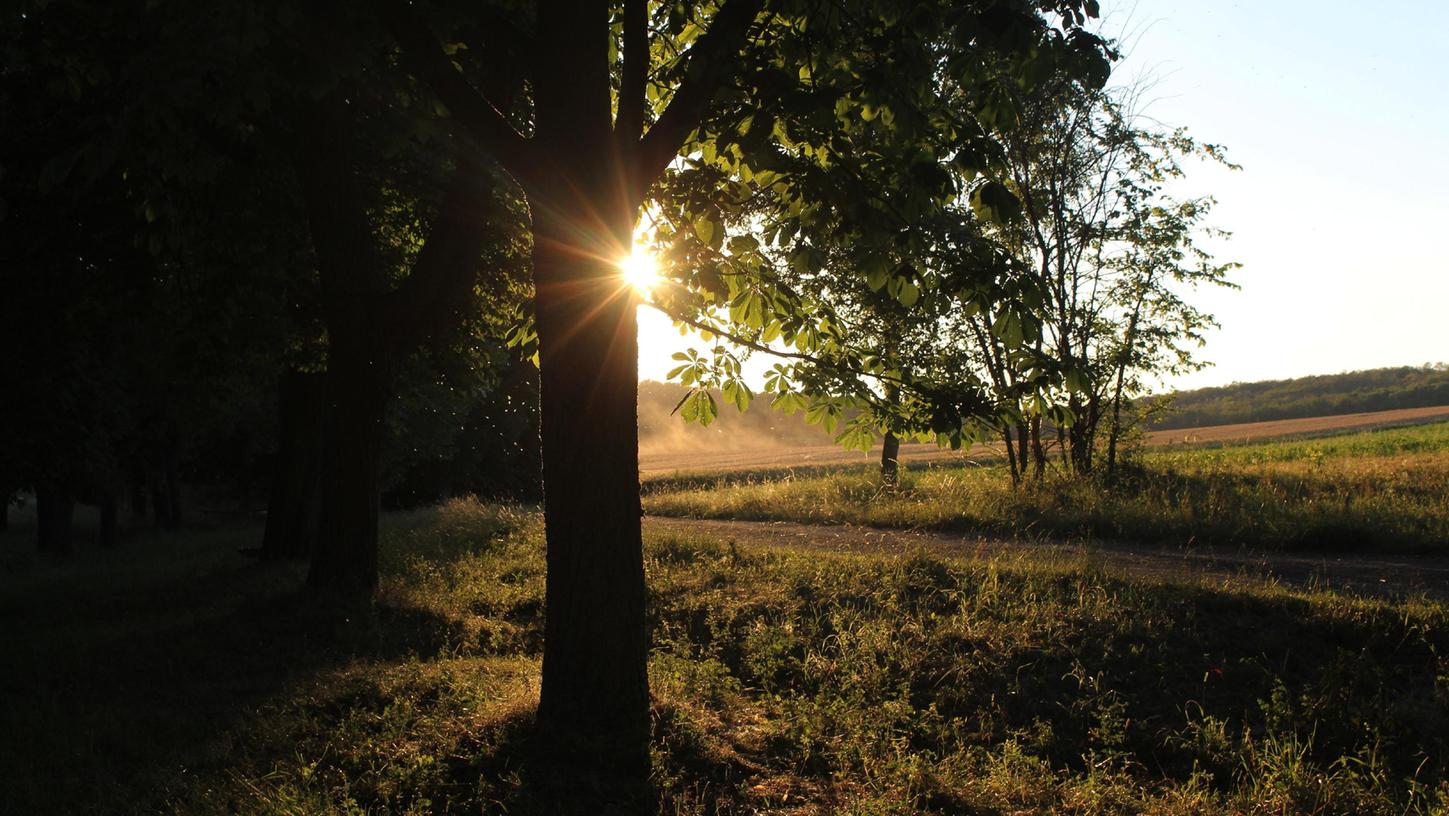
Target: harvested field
<point x="656" y="463"/>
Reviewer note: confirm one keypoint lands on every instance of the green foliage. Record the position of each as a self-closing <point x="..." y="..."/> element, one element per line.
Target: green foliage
<point x="1110" y="259"/>
<point x="823" y="203"/>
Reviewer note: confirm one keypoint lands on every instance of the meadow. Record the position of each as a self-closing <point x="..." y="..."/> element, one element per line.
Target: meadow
<point x="179" y="677"/>
<point x="1380" y="491"/>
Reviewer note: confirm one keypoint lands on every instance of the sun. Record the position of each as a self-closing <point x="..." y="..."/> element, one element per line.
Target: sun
<point x="640" y="270"/>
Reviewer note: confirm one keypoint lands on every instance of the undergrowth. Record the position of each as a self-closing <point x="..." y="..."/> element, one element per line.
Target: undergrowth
<point x="783" y="683"/>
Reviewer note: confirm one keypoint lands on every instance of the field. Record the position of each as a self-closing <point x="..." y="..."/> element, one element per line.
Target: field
<point x="758" y="454"/>
<point x="796" y="668"/>
<point x="1383" y="491"/>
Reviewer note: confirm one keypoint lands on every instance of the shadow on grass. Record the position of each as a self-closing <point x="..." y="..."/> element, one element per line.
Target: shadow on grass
<point x="116" y="693"/>
<point x="1167" y="685"/>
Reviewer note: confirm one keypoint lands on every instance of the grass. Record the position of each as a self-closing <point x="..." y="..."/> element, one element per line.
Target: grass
<point x="183" y="679"/>
<point x="1376" y="491"/>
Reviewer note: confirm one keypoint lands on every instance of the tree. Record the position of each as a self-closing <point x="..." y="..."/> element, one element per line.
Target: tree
<point x="883" y="243"/>
<point x="188" y="165"/>
<point x="1113" y="253"/>
<point x="586" y="170"/>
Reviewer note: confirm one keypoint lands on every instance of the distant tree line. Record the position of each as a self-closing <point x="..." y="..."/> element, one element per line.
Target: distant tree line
<point x="1379" y="389"/>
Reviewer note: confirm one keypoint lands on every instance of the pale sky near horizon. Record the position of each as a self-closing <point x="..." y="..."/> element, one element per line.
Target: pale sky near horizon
<point x="1339" y="114"/>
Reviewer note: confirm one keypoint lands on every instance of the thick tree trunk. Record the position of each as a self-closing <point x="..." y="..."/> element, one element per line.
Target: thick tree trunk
<point x="593" y="715"/>
<point x="54" y="511"/>
<point x="137" y="498"/>
<point x="890" y="459"/>
<point x="106" y="536"/>
<point x="4" y="513"/>
<point x="295" y="503"/>
<point x="166" y="486"/>
<point x="344" y="562"/>
<point x="171" y="480"/>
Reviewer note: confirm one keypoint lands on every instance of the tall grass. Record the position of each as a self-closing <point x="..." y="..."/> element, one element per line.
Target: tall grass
<point x="1377" y="491"/>
<point x="783" y="683"/>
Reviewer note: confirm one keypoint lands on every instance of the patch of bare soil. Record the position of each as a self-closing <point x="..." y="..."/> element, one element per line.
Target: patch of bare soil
<point x="1394" y="577"/>
<point x="707" y="461"/>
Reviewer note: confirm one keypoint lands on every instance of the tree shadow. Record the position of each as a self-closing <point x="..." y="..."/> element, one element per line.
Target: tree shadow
<point x="120" y="695"/>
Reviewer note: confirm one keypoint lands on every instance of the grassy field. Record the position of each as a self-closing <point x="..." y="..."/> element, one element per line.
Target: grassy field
<point x="1376" y="491"/>
<point x="176" y="677"/>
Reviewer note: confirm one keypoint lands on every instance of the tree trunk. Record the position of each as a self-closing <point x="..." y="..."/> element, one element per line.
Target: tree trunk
<point x="1114" y="431"/>
<point x="295" y="502"/>
<point x="890" y="465"/>
<point x="593" y="714"/>
<point x="171" y="480"/>
<point x="137" y="489"/>
<point x="344" y="562"/>
<point x="4" y="513"/>
<point x="106" y="536"/>
<point x="54" y="510"/>
<point x="1023" y="451"/>
<point x="1038" y="452"/>
<point x="1083" y="435"/>
<point x="1010" y="455"/>
<point x="165" y="484"/>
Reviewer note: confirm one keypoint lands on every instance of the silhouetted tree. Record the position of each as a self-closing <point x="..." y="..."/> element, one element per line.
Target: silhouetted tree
<point x="1115" y="254"/>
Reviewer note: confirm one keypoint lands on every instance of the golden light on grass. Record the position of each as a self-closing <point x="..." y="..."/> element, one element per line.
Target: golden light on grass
<point x="640" y="270"/>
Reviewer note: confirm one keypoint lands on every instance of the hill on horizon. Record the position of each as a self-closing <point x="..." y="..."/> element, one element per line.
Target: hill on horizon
<point x="1351" y="392"/>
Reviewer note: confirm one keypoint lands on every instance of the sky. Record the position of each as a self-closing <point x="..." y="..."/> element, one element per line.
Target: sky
<point x="1339" y="114"/>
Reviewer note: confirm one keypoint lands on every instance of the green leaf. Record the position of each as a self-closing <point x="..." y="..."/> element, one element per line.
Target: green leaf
<point x="736" y="392"/>
<point x="877" y="272"/>
<point x="909" y="294"/>
<point x="788" y="402"/>
<point x="699" y="406"/>
<point x="856" y="437"/>
<point x="993" y="202"/>
<point x="705" y="229"/>
<point x="708" y="409"/>
<point x="741" y="244"/>
<point x="1075" y="382"/>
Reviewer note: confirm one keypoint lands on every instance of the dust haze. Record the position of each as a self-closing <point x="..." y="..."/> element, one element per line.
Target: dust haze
<point x="760" y="428"/>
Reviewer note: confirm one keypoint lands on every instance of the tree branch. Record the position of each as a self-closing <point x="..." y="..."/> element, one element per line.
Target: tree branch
<point x="426" y="59"/>
<point x="446" y="268"/>
<point x="785" y="354"/>
<point x="712" y="59"/>
<point x="629" y="123"/>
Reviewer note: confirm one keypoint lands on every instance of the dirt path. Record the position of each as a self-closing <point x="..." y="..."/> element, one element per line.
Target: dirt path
<point x="1367" y="575"/>
<point x="704" y="460"/>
